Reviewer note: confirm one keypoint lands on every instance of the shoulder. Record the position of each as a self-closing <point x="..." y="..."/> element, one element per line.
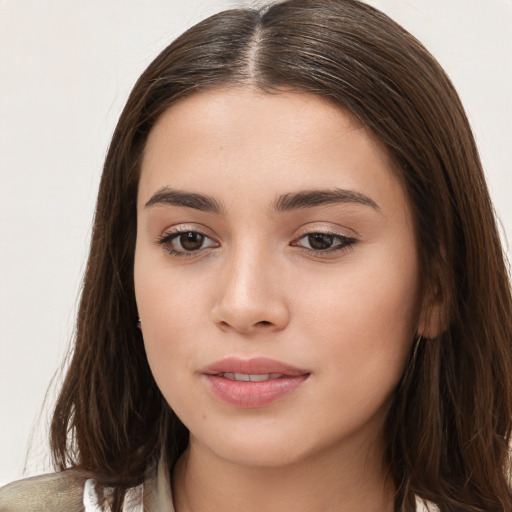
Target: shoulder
<point x="55" y="492"/>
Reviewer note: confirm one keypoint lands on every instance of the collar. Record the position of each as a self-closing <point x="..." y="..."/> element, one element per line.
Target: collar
<point x="157" y="490"/>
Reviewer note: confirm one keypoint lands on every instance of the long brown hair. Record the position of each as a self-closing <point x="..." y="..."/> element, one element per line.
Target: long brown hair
<point x="449" y="427"/>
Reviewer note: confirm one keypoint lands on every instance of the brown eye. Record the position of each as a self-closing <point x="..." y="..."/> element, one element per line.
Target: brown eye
<point x="320" y="241"/>
<point x="183" y="243"/>
<point x="191" y="240"/>
<point x="324" y="242"/>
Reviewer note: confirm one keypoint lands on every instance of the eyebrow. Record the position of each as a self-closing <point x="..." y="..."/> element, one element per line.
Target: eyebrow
<point x="174" y="197"/>
<point x="284" y="203"/>
<point x="312" y="198"/>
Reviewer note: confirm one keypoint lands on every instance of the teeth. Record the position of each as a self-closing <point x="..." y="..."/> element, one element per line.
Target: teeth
<point x="246" y="377"/>
<point x="258" y="378"/>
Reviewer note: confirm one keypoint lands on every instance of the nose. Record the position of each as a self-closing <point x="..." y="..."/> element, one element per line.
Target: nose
<point x="250" y="296"/>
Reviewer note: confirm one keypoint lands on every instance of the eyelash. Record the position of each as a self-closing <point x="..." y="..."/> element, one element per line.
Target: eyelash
<point x="167" y="238"/>
<point x="344" y="243"/>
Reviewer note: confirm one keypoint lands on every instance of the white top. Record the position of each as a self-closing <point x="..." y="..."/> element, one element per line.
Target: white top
<point x="134" y="500"/>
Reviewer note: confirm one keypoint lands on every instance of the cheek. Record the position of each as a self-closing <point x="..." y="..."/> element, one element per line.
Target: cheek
<point x="168" y="296"/>
<point x="367" y="296"/>
<point x="172" y="312"/>
<point x="171" y="344"/>
<point x="364" y="323"/>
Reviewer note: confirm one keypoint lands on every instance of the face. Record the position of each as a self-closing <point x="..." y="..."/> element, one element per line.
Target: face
<point x="276" y="274"/>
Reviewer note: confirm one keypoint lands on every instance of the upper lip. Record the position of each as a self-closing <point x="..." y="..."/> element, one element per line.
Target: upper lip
<point x="253" y="366"/>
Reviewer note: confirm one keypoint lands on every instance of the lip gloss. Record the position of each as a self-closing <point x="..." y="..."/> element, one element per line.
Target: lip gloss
<point x="252" y="383"/>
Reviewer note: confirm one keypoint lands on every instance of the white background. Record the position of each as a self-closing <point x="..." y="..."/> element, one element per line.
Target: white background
<point x="66" y="67"/>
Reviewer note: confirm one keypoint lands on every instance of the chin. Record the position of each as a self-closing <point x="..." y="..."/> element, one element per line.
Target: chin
<point x="258" y="449"/>
<point x="260" y="455"/>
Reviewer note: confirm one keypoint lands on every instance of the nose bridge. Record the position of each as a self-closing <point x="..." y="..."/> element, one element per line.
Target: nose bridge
<point x="250" y="294"/>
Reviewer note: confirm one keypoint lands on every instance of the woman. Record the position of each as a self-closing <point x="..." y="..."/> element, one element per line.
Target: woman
<point x="296" y="296"/>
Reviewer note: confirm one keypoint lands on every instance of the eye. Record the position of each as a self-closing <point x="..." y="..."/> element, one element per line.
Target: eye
<point x="324" y="242"/>
<point x="183" y="243"/>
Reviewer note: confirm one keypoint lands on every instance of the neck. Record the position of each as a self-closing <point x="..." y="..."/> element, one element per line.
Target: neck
<point x="336" y="480"/>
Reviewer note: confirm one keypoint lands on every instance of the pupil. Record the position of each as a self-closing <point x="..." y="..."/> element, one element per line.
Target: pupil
<point x="191" y="241"/>
<point x="320" y="241"/>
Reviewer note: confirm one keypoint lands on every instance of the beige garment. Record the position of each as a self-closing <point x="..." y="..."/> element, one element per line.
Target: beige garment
<point x="57" y="492"/>
<point x="64" y="492"/>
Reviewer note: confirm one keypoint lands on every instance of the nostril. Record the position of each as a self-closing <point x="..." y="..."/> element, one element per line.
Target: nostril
<point x="264" y="322"/>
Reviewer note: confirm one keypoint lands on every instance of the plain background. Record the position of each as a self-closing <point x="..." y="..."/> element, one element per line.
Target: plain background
<point x="66" y="69"/>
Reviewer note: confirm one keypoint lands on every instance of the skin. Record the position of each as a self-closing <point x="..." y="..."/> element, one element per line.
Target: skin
<point x="256" y="287"/>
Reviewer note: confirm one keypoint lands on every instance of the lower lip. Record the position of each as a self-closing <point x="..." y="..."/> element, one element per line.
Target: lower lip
<point x="253" y="394"/>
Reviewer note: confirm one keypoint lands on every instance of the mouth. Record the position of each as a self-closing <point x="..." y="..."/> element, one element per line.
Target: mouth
<point x="253" y="383"/>
<point x="250" y="377"/>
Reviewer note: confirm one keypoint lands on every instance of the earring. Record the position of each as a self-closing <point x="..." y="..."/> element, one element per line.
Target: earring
<point x="139" y="325"/>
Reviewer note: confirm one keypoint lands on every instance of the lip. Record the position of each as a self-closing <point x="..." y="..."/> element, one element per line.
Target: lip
<point x="283" y="380"/>
<point x="252" y="366"/>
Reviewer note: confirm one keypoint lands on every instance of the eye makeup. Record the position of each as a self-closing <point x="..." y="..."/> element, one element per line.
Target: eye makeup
<point x="189" y="241"/>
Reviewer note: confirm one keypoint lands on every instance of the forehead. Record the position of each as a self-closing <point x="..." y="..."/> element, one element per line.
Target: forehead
<point x="291" y="114"/>
<point x="235" y="140"/>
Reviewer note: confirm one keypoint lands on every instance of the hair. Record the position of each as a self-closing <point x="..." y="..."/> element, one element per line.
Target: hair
<point x="449" y="427"/>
